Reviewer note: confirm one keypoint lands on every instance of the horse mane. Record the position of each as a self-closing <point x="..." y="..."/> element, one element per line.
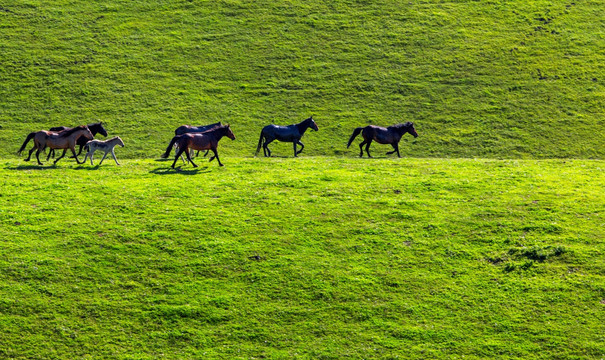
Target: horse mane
<point x="401" y="126"/>
<point x="72" y="130"/>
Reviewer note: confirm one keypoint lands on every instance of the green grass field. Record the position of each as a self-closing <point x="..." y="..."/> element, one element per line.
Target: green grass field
<point x="303" y="258"/>
<point x="497" y="79"/>
<point x="485" y="241"/>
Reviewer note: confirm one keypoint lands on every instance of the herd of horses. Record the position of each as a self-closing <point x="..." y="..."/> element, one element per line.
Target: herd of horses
<point x="188" y="139"/>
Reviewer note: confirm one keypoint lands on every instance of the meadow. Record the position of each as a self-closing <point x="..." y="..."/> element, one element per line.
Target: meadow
<point x="496" y="79"/>
<point x="321" y="258"/>
<point x="485" y="240"/>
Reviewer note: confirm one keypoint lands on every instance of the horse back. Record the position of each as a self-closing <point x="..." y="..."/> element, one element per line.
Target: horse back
<point x="380" y="134"/>
<point x="185" y="129"/>
<point x="282" y="133"/>
<point x="195" y="141"/>
<point x="59" y="128"/>
<point x="181" y="130"/>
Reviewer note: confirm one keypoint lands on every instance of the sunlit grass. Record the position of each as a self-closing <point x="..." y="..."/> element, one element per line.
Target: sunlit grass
<point x="302" y="258"/>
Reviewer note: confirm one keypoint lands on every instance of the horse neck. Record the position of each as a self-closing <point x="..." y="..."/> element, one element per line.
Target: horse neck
<point x="81" y="132"/>
<point x="94" y="129"/>
<point x="71" y="132"/>
<point x="401" y="131"/>
<point x="303" y="126"/>
<point x="218" y="132"/>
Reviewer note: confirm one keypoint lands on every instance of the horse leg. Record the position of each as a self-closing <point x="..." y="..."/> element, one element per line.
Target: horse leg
<point x="114" y="157"/>
<point x="60" y="157"/>
<point x="266" y="148"/>
<point x="302" y="146"/>
<point x="89" y="153"/>
<point x="368" y="148"/>
<point x="294" y="145"/>
<point x="216" y="156"/>
<point x="51" y="152"/>
<point x="176" y="149"/>
<point x="206" y="154"/>
<point x="30" y="154"/>
<point x="394" y="149"/>
<point x="73" y="151"/>
<point x="361" y="148"/>
<point x="178" y="154"/>
<point x="183" y="158"/>
<point x="189" y="157"/>
<point x="37" y="157"/>
<point x="104" y="155"/>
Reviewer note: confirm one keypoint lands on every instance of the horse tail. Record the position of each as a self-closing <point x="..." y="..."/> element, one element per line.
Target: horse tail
<point x="260" y="141"/>
<point x="355" y="133"/>
<point x="169" y="148"/>
<point x="27" y="139"/>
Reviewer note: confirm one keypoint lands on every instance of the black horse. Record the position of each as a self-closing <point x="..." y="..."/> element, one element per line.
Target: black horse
<point x="185" y="129"/>
<point x="391" y="135"/>
<point x="290" y="133"/>
<point x="96" y="128"/>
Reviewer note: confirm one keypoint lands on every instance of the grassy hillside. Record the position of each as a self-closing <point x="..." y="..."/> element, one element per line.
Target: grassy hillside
<point x="315" y="258"/>
<point x="507" y="79"/>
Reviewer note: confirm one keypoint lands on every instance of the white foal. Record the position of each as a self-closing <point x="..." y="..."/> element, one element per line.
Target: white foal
<point x="107" y="146"/>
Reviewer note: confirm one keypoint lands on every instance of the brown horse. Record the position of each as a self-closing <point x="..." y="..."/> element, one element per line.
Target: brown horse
<point x="391" y="135"/>
<point x="199" y="141"/>
<point x="62" y="140"/>
<point x="94" y="129"/>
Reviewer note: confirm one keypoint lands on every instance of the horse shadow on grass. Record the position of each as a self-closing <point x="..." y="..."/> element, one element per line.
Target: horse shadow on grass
<point x="180" y="171"/>
<point x="32" y="167"/>
<point x="51" y="167"/>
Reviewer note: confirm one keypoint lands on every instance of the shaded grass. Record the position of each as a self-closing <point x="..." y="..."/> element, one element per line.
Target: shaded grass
<point x="303" y="258"/>
<point x="499" y="79"/>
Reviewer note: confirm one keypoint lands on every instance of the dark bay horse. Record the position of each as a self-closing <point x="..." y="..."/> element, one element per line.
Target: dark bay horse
<point x="199" y="141"/>
<point x="186" y="129"/>
<point x="290" y="133"/>
<point x="391" y="135"/>
<point x="96" y="128"/>
<point x="62" y="140"/>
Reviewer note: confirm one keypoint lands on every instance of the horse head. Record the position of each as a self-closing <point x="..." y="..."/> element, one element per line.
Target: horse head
<point x="410" y="128"/>
<point x="312" y="123"/>
<point x="98" y="128"/>
<point x="230" y="134"/>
